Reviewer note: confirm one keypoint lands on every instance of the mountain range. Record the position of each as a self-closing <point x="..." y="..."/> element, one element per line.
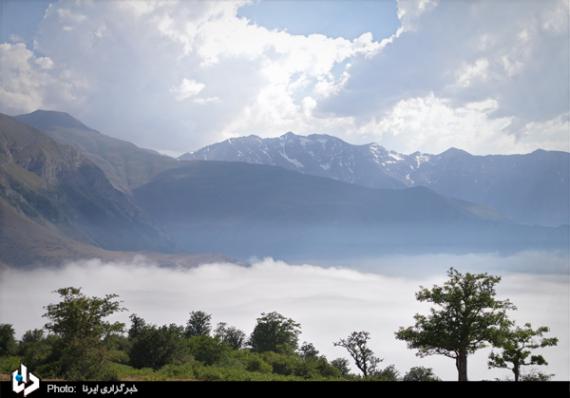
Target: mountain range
<point x="68" y="191"/>
<point x="532" y="188"/>
<point x="246" y="210"/>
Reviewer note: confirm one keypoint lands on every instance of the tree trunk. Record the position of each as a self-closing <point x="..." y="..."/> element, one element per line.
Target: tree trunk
<point x="461" y="364"/>
<point x="516" y="371"/>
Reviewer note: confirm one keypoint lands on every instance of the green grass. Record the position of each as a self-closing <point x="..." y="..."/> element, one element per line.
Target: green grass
<point x="197" y="372"/>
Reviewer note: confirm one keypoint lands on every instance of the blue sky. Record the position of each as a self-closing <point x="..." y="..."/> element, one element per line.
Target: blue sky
<point x="21" y="18"/>
<point x="484" y="76"/>
<point x="340" y="18"/>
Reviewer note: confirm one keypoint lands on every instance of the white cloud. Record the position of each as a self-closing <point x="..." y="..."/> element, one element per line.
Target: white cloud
<point x="435" y="124"/>
<point x="328" y="302"/>
<point x="467" y="52"/>
<point x="66" y="15"/>
<point x="27" y="81"/>
<point x="188" y="88"/>
<point x="553" y="134"/>
<point x="206" y="100"/>
<point x="476" y="71"/>
<point x="205" y="74"/>
<point x="44" y="62"/>
<point x="136" y="55"/>
<point x="409" y="11"/>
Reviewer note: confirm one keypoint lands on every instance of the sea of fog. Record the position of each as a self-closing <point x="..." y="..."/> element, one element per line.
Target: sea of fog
<point x="376" y="295"/>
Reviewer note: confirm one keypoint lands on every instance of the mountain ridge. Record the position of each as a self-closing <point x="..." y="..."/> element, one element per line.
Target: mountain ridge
<point x="125" y="164"/>
<point x="65" y="194"/>
<point x="529" y="188"/>
<point x="248" y="210"/>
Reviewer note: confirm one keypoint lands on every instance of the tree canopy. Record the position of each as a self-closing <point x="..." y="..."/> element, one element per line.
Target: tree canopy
<point x="79" y="324"/>
<point x="274" y="332"/>
<point x="230" y="335"/>
<point x="466" y="316"/>
<point x="7" y="339"/>
<point x="517" y="344"/>
<point x="198" y="324"/>
<point x="357" y="346"/>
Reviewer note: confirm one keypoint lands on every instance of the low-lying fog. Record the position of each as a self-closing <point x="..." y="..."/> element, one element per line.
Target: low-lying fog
<point x="374" y="295"/>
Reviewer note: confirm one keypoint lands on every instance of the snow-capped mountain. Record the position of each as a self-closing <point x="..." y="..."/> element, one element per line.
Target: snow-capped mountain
<point x="316" y="154"/>
<point x="531" y="188"/>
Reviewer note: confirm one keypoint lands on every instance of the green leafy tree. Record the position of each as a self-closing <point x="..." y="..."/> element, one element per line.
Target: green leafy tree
<point x="467" y="315"/>
<point x="79" y="324"/>
<point x="206" y="349"/>
<point x="535" y="375"/>
<point x="517" y="344"/>
<point x="274" y="332"/>
<point x="389" y="373"/>
<point x="419" y="373"/>
<point x="357" y="346"/>
<point x="137" y="326"/>
<point x="229" y="335"/>
<point x="198" y="324"/>
<point x="8" y="344"/>
<point x="323" y="367"/>
<point x="35" y="348"/>
<point x="154" y="347"/>
<point x="342" y="365"/>
<point x="308" y="351"/>
<point x="283" y="363"/>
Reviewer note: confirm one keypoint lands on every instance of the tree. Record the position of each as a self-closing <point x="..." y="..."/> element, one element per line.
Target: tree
<point x="229" y="335"/>
<point x="517" y="345"/>
<point x="534" y="375"/>
<point x="206" y="349"/>
<point x="35" y="348"/>
<point x="274" y="332"/>
<point x="155" y="347"/>
<point x="198" y="324"/>
<point x="79" y="324"/>
<point x="308" y="351"/>
<point x="342" y="365"/>
<point x="419" y="373"/>
<point x="389" y="373"/>
<point x="357" y="346"/>
<point x="7" y="340"/>
<point x="466" y="316"/>
<point x="137" y="326"/>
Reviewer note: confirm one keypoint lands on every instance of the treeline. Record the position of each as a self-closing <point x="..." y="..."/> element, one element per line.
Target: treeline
<point x="79" y="343"/>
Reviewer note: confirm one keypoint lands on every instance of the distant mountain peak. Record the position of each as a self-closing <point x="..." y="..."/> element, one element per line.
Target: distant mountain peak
<point x="289" y="134"/>
<point x="455" y="151"/>
<point x="45" y="119"/>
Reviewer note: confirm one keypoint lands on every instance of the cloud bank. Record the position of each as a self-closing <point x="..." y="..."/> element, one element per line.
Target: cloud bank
<point x="328" y="302"/>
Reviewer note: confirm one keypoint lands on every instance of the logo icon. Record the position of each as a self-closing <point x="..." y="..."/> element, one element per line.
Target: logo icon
<point x="21" y="377"/>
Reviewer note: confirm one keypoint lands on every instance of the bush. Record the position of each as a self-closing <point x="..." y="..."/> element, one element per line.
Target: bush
<point x="283" y="364"/>
<point x="36" y="349"/>
<point x="7" y="341"/>
<point x="9" y="363"/>
<point x="154" y="347"/>
<point x="126" y="372"/>
<point x="389" y="373"/>
<point x="207" y="350"/>
<point x="254" y="363"/>
<point x="419" y="373"/>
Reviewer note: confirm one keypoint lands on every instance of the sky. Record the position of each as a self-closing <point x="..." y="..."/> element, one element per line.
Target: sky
<point x="174" y="76"/>
<point x="329" y="303"/>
